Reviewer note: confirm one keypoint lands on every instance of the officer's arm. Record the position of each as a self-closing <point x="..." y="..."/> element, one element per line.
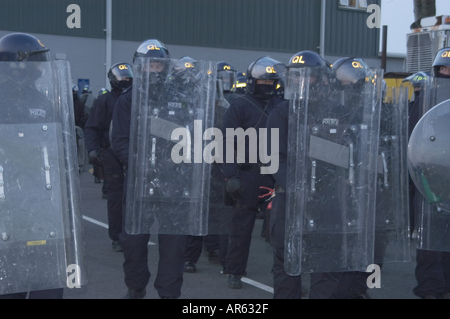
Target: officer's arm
<point x="120" y="133"/>
<point x="93" y="127"/>
<point x="278" y="120"/>
<point x="231" y="121"/>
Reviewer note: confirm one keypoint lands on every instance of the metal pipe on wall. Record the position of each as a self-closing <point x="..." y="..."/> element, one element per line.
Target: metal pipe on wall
<point x="322" y="28"/>
<point x="108" y="40"/>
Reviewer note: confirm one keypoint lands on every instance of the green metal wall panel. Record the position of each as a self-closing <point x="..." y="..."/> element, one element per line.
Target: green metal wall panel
<point x="272" y="25"/>
<point x="347" y="33"/>
<point x="276" y="25"/>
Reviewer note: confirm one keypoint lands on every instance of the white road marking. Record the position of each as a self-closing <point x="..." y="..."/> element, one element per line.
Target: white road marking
<point x="244" y="279"/>
<point x="257" y="284"/>
<point x="96" y="222"/>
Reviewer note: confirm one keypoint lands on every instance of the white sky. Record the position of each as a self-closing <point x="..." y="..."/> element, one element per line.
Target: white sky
<point x="398" y="16"/>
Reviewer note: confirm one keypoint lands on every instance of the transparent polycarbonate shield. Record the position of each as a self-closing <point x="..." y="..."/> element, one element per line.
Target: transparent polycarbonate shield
<point x="219" y="220"/>
<point x="170" y="147"/>
<point x="331" y="175"/>
<point x="442" y="90"/>
<point x="392" y="240"/>
<point x="428" y="151"/>
<point x="41" y="245"/>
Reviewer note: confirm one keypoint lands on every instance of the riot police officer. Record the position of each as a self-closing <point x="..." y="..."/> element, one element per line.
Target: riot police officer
<point x="103" y="91"/>
<point x="169" y="278"/>
<point x="433" y="267"/>
<point x="216" y="242"/>
<point x="243" y="177"/>
<point x="241" y="84"/>
<point x="286" y="286"/>
<point x="33" y="204"/>
<point x="99" y="149"/>
<point x="415" y="108"/>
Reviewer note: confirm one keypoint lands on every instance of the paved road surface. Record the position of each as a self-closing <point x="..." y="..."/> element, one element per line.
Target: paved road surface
<point x="106" y="276"/>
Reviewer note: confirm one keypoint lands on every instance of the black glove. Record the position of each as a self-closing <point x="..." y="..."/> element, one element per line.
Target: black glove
<point x="234" y="186"/>
<point x="95" y="159"/>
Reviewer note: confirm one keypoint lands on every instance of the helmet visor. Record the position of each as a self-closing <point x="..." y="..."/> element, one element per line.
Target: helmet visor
<point x="267" y="68"/>
<point x="122" y="72"/>
<point x="228" y="79"/>
<point x="34" y="56"/>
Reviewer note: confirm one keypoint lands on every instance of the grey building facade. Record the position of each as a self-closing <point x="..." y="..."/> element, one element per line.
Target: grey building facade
<point x="236" y="31"/>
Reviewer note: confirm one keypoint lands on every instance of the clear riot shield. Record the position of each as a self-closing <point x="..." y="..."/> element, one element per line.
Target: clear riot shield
<point x="331" y="173"/>
<point x="168" y="176"/>
<point x="219" y="221"/>
<point x="429" y="168"/>
<point x="392" y="240"/>
<point x="41" y="244"/>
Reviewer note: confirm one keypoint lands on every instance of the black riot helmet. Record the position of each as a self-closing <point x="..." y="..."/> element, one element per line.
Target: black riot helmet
<point x="306" y="59"/>
<point x="152" y="49"/>
<point x="228" y="75"/>
<point x="442" y="59"/>
<point x="103" y="91"/>
<point x="120" y="76"/>
<point x="350" y="71"/>
<point x="264" y="68"/>
<point x="417" y="79"/>
<point x="22" y="47"/>
<point x="184" y="73"/>
<point x="86" y="89"/>
<point x="241" y="84"/>
<point x="74" y="89"/>
<point x="19" y="49"/>
<point x="319" y="76"/>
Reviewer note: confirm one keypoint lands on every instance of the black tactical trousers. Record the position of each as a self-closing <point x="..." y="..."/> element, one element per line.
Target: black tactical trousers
<point x="169" y="278"/>
<point x="113" y="188"/>
<point x="242" y="222"/>
<point x="432" y="273"/>
<point x="210" y="242"/>
<point x="285" y="286"/>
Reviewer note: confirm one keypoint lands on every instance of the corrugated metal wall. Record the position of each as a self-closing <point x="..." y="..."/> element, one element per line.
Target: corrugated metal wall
<point x="347" y="33"/>
<point x="273" y="25"/>
<point x="278" y="25"/>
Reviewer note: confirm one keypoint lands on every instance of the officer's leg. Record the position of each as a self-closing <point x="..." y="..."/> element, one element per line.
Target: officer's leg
<point x="285" y="286"/>
<point x="243" y="221"/>
<point x="429" y="274"/>
<point x="211" y="243"/>
<point x="169" y="279"/>
<point x="446" y="272"/>
<point x="135" y="266"/>
<point x="324" y="285"/>
<point x="223" y="250"/>
<point x="114" y="180"/>
<point x="193" y="251"/>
